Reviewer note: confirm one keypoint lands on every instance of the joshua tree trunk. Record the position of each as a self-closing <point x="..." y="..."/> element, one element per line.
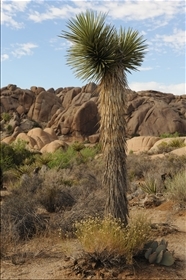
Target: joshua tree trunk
<point x="1" y="178"/>
<point x="113" y="138"/>
<point x="101" y="54"/>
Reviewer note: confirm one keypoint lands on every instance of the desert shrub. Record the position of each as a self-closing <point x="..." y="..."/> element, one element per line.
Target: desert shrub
<point x="106" y="239"/>
<point x="176" y="188"/>
<point x="18" y="212"/>
<point x="166" y="147"/>
<point x="36" y="124"/>
<point x="85" y="187"/>
<point x="15" y="164"/>
<point x="177" y="143"/>
<point x="7" y="156"/>
<point x="9" y="128"/>
<point x="89" y="152"/>
<point x="43" y="159"/>
<point x="20" y="178"/>
<point x="171" y="164"/>
<point x="19" y="171"/>
<point x="62" y="159"/>
<point x="54" y="192"/>
<point x="55" y="199"/>
<point x="6" y="116"/>
<point x="170" y="135"/>
<point x="9" y="237"/>
<point x="14" y="155"/>
<point x="137" y="165"/>
<point x="22" y="153"/>
<point x="149" y="186"/>
<point x="78" y="146"/>
<point x="75" y="154"/>
<point x="27" y="184"/>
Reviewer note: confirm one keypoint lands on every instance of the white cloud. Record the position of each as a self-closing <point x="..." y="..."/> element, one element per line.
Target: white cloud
<point x="64" y="45"/>
<point x="9" y="11"/>
<point x="135" y="10"/>
<point x="23" y="49"/>
<point x="176" y="40"/>
<point x="4" y="57"/>
<point x="177" y="89"/>
<point x="145" y="68"/>
<point x="54" y="12"/>
<point x="7" y="19"/>
<point x="123" y="10"/>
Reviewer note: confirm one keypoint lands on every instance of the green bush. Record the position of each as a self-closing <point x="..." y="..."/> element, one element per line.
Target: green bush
<point x="14" y="161"/>
<point x="169" y="135"/>
<point x="9" y="128"/>
<point x="177" y="143"/>
<point x="43" y="159"/>
<point x="89" y="152"/>
<point x="22" y="153"/>
<point x="62" y="159"/>
<point x="78" y="146"/>
<point x="6" y="116"/>
<point x="7" y="156"/>
<point x="107" y="239"/>
<point x="75" y="154"/>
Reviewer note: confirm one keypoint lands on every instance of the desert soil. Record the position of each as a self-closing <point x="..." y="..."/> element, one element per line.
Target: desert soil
<point x="53" y="258"/>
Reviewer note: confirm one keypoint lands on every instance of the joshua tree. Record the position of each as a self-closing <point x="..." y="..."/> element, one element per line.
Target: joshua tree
<point x="100" y="53"/>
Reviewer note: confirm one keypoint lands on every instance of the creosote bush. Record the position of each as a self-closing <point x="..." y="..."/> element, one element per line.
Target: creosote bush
<point x="20" y="214"/>
<point x="176" y="188"/>
<point x="108" y="238"/>
<point x="54" y="192"/>
<point x="139" y="165"/>
<point x="55" y="199"/>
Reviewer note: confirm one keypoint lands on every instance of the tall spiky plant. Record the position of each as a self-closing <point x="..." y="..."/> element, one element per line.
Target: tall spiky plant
<point x="101" y="54"/>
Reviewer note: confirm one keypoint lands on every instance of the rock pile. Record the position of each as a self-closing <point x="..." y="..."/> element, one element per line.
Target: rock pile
<point x="71" y="113"/>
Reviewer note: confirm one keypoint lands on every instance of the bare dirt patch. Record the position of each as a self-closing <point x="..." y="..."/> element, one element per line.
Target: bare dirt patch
<point x="55" y="258"/>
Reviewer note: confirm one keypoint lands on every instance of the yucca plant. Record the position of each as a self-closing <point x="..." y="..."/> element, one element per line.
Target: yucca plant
<point x="99" y="53"/>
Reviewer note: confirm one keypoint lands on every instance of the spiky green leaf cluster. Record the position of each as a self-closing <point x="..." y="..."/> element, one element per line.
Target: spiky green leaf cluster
<point x="98" y="49"/>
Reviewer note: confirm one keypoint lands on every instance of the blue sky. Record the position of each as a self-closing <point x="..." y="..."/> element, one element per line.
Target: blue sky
<point x="33" y="54"/>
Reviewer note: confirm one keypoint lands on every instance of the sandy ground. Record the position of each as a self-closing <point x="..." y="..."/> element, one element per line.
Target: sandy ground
<point x="51" y="257"/>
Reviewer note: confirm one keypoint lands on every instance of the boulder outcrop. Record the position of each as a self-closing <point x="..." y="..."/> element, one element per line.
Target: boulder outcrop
<point x="45" y="105"/>
<point x="73" y="112"/>
<point x="141" y="143"/>
<point x="154" y="113"/>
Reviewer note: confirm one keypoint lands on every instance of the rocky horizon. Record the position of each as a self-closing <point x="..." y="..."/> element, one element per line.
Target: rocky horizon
<point x="71" y="113"/>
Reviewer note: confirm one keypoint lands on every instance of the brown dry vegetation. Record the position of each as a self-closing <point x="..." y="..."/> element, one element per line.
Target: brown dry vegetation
<point x="39" y="211"/>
